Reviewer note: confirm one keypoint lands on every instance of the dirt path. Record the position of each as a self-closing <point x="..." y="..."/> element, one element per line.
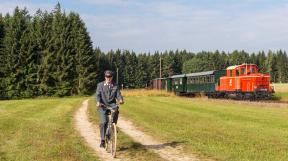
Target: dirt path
<point x="166" y="150"/>
<point x="89" y="133"/>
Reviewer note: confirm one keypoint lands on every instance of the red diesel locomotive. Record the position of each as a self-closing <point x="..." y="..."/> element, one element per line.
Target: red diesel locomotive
<point x="244" y="81"/>
<point x="238" y="82"/>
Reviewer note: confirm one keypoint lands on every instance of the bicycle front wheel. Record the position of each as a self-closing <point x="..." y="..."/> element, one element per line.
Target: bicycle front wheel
<point x="113" y="140"/>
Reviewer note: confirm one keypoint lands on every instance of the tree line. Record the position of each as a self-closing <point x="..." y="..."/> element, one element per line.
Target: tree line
<point x="51" y="54"/>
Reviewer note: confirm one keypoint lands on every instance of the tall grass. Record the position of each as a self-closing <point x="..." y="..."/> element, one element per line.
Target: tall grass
<point x="146" y="92"/>
<point x="281" y="91"/>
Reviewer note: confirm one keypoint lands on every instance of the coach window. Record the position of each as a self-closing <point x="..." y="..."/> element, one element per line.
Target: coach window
<point x="180" y="81"/>
<point x="208" y="79"/>
<point x="212" y="79"/>
<point x="176" y="82"/>
<point x="231" y="73"/>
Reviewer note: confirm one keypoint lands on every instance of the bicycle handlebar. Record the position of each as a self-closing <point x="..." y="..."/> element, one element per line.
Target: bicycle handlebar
<point x="108" y="107"/>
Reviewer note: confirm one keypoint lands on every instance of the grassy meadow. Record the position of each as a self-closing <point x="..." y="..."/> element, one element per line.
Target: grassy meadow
<point x="221" y="130"/>
<point x="281" y="91"/>
<point x="41" y="129"/>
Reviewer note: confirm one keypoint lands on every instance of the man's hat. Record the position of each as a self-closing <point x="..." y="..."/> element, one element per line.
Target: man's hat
<point x="108" y="73"/>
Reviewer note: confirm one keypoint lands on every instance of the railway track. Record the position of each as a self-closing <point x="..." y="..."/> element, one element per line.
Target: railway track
<point x="264" y="103"/>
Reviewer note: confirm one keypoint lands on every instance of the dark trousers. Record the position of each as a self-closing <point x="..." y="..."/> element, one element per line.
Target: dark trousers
<point x="103" y="113"/>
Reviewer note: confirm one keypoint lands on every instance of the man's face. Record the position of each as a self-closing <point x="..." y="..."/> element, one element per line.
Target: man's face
<point x="108" y="78"/>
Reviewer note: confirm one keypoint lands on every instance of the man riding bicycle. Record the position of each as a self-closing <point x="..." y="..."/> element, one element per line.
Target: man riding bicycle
<point x="106" y="94"/>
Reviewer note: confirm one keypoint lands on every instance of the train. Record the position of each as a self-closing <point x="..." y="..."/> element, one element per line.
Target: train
<point x="236" y="82"/>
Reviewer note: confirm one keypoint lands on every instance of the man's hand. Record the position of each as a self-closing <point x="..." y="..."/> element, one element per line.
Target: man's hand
<point x="98" y="104"/>
<point x="121" y="102"/>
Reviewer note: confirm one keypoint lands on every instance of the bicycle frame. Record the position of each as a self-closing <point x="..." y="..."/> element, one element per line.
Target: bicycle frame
<point x="110" y="132"/>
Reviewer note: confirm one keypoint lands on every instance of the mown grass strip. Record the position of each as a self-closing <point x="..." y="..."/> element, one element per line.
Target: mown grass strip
<point x="41" y="129"/>
<point x="224" y="131"/>
<point x="126" y="147"/>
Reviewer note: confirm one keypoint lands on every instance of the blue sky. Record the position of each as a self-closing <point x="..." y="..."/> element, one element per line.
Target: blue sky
<point x="150" y="25"/>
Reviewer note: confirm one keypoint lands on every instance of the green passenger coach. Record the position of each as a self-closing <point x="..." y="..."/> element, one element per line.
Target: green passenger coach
<point x="203" y="82"/>
<point x="192" y="83"/>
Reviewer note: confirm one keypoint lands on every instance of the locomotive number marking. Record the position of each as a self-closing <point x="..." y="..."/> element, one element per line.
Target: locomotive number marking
<point x="230" y="82"/>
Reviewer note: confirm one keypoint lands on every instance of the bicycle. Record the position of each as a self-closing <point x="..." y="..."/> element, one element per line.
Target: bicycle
<point x="111" y="133"/>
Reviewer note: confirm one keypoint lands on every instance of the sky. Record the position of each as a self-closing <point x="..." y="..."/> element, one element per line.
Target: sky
<point x="159" y="25"/>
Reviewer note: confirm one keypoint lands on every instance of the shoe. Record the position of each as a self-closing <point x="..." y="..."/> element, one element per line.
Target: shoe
<point x="102" y="145"/>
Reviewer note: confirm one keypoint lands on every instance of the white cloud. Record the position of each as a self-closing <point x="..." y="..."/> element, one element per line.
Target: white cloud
<point x="159" y="25"/>
<point x="8" y="7"/>
<point x="106" y="2"/>
<point x="190" y="28"/>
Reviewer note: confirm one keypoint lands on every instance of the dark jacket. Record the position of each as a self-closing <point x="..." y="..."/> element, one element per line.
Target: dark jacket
<point x="107" y="95"/>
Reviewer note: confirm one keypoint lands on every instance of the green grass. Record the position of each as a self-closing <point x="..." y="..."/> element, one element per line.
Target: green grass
<point x="41" y="129"/>
<point x="213" y="129"/>
<point x="281" y="91"/>
<point x="126" y="147"/>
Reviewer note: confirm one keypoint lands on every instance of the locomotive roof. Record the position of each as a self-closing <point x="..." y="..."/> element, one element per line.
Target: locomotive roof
<point x="178" y="76"/>
<point x="200" y="73"/>
<point x="235" y="66"/>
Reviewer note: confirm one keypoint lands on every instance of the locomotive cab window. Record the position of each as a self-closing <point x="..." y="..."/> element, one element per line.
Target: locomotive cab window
<point x="242" y="71"/>
<point x="231" y="73"/>
<point x="253" y="70"/>
<point x="237" y="72"/>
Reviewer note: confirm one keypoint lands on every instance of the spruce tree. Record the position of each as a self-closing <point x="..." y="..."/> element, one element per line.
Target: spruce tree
<point x="102" y="64"/>
<point x="43" y="33"/>
<point x="85" y="67"/>
<point x="2" y="60"/>
<point x="15" y="27"/>
<point x="60" y="54"/>
<point x="271" y="66"/>
<point x="141" y="71"/>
